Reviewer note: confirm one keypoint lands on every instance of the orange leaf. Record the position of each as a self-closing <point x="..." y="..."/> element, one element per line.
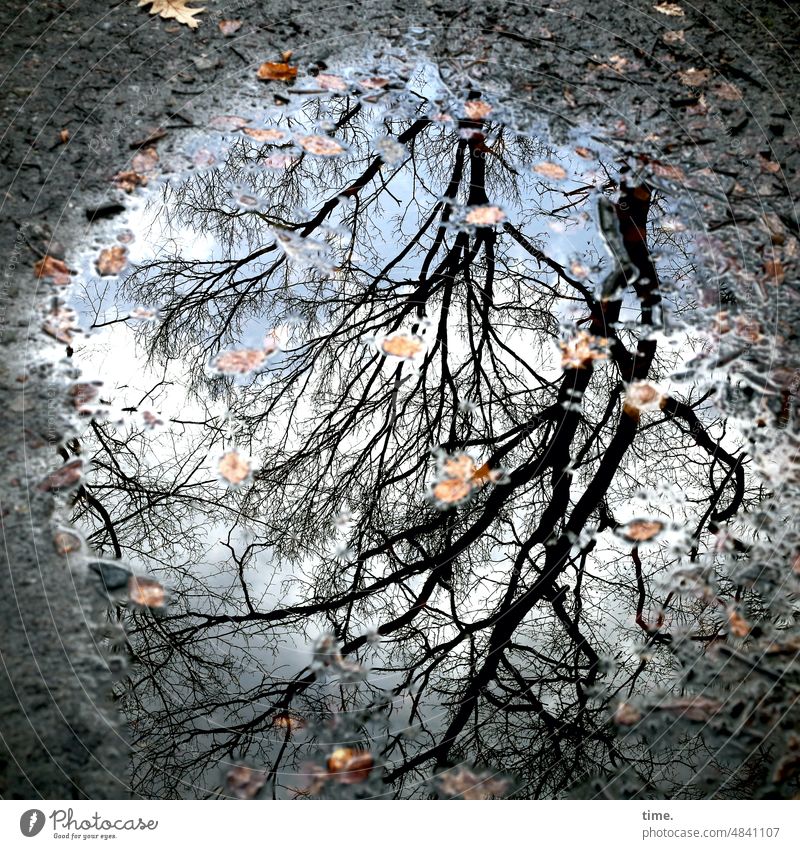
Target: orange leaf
<point x="280" y="71"/>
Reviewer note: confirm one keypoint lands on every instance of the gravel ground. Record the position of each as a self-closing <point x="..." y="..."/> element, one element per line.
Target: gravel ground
<point x="108" y="72"/>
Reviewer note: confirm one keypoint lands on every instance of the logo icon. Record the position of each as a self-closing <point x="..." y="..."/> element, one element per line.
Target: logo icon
<point x="31" y="822"/>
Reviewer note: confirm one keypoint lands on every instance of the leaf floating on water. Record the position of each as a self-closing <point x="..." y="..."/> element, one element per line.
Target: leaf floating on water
<point x="61" y="323"/>
<point x="642" y="396"/>
<point x="375" y="82"/>
<point x="228" y="122"/>
<point x="66" y="542"/>
<point x="485" y="215"/>
<point x="462" y="782"/>
<point x="405" y="346"/>
<point x="241" y="361"/>
<point x="640" y="530"/>
<point x="67" y="476"/>
<point x="277" y="71"/>
<point x="229" y="26"/>
<point x="551" y="170"/>
<point x="459" y="477"/>
<point x="129" y="181"/>
<point x="278" y="161"/>
<point x="350" y="766"/>
<point x="111" y="261"/>
<point x="739" y="626"/>
<point x="582" y="349"/>
<point x="267" y="135"/>
<point x="146" y="592"/>
<point x="320" y="145"/>
<point x="244" y="782"/>
<point x="54" y="269"/>
<point x="174" y="9"/>
<point x="627" y="714"/>
<point x="391" y="151"/>
<point x="234" y="468"/>
<point x="151" y="420"/>
<point x="331" y="82"/>
<point x="288" y="722"/>
<point x="477" y="110"/>
<point x="83" y="394"/>
<point x="672" y="10"/>
<point x="145" y="160"/>
<point x="451" y="491"/>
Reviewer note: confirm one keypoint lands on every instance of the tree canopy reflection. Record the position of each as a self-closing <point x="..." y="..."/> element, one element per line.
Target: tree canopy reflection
<point x="475" y="493"/>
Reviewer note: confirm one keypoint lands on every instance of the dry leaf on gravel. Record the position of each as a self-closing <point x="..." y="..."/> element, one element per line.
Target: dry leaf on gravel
<point x="175" y="9"/>
<point x="52" y="269"/>
<point x="279" y="71"/>
<point x="128" y="181"/>
<point x="229" y="26"/>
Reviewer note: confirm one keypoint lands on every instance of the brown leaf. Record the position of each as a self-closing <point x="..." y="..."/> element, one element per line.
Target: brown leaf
<point x="82" y="395"/>
<point x="146" y="592"/>
<point x="640" y="530"/>
<point x="112" y="260"/>
<point x="668" y="172"/>
<point x="403" y="345"/>
<point x="673" y="10"/>
<point x="451" y="491"/>
<point x="627" y="714"/>
<point x="375" y="82"/>
<point x="268" y="135"/>
<point x="697" y="708"/>
<point x="331" y="82"/>
<point x="244" y="782"/>
<point x="174" y="9"/>
<point x="674" y="36"/>
<point x="550" y="170"/>
<point x="477" y="110"/>
<point x="145" y="160"/>
<point x="579" y="351"/>
<point x="350" y="766"/>
<point x="229" y="26"/>
<point x="739" y="626"/>
<point x="727" y="91"/>
<point x="463" y="783"/>
<point x="228" y="122"/>
<point x="63" y="136"/>
<point x="240" y="361"/>
<point x="320" y="145"/>
<point x="694" y="76"/>
<point x="128" y="181"/>
<point x="54" y="269"/>
<point x="775" y="271"/>
<point x="68" y="475"/>
<point x="278" y="161"/>
<point x="485" y="215"/>
<point x="61" y="323"/>
<point x="233" y="468"/>
<point x="280" y="71"/>
<point x="65" y="542"/>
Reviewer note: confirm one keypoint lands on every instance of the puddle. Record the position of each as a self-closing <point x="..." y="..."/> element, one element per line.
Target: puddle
<point x="406" y="408"/>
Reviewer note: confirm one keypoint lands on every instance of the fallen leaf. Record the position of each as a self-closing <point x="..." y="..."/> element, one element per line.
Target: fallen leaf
<point x="331" y="82"/>
<point x="151" y="420"/>
<point x="82" y="395"/>
<point x="68" y="475"/>
<point x="175" y="9"/>
<point x="240" y="361"/>
<point x="727" y="91"/>
<point x="228" y="122"/>
<point x="640" y="530"/>
<point x="403" y="345"/>
<point x="280" y="71"/>
<point x="288" y="721"/>
<point x="477" y="110"/>
<point x="244" y="782"/>
<point x="641" y="396"/>
<point x="350" y="766"/>
<point x="63" y="136"/>
<point x="668" y="172"/>
<point x="229" y="26"/>
<point x="112" y="260"/>
<point x="739" y="626"/>
<point x="673" y="10"/>
<point x="698" y="708"/>
<point x="268" y="135"/>
<point x="146" y="592"/>
<point x="768" y="166"/>
<point x="694" y="76"/>
<point x="550" y="170"/>
<point x="233" y="468"/>
<point x="320" y="145"/>
<point x="61" y="323"/>
<point x="128" y="181"/>
<point x="485" y="215"/>
<point x="584" y="152"/>
<point x="581" y="350"/>
<point x="375" y="82"/>
<point x="278" y="161"/>
<point x="775" y="271"/>
<point x="65" y="542"/>
<point x="462" y="782"/>
<point x="145" y="160"/>
<point x="54" y="269"/>
<point x="627" y="714"/>
<point x="451" y="491"/>
<point x="673" y="36"/>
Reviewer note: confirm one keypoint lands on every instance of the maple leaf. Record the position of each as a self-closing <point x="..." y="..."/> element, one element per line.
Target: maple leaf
<point x="174" y="9"/>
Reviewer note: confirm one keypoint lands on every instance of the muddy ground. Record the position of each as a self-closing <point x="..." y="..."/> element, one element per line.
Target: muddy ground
<point x="713" y="107"/>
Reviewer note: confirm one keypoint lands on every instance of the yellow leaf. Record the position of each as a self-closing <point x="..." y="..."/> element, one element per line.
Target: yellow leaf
<point x="280" y="71"/>
<point x="174" y="9"/>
